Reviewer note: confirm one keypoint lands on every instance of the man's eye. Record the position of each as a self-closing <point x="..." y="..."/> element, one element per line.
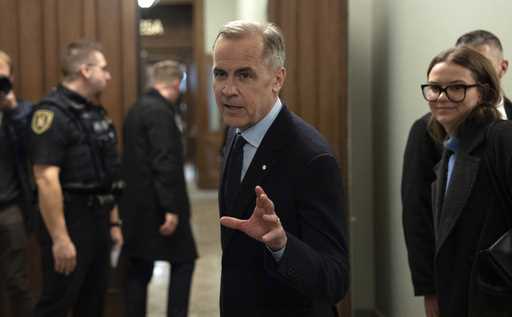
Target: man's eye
<point x="217" y="74"/>
<point x="243" y="75"/>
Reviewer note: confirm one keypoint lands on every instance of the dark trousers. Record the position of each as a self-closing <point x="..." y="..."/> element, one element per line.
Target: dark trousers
<point x="82" y="291"/>
<point x="13" y="261"/>
<point x="139" y="272"/>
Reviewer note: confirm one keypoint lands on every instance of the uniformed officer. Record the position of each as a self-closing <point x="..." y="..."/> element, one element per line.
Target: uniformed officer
<point x="76" y="168"/>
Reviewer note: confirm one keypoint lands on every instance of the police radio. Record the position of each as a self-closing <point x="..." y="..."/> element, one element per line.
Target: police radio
<point x="5" y="86"/>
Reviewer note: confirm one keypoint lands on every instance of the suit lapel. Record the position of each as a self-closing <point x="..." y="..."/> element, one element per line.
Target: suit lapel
<point x="438" y="190"/>
<point x="461" y="184"/>
<point x="261" y="166"/>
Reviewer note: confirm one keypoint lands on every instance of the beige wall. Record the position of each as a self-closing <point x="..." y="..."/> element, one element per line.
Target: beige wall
<point x="219" y="12"/>
<point x="391" y="44"/>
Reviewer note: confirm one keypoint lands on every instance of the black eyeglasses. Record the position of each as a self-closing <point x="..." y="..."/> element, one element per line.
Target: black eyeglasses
<point x="454" y="93"/>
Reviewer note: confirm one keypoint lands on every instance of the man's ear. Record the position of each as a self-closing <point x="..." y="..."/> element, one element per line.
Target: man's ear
<point x="279" y="77"/>
<point x="84" y="71"/>
<point x="503" y="68"/>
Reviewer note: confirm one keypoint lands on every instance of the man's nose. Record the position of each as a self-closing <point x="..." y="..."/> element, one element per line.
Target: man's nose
<point x="229" y="88"/>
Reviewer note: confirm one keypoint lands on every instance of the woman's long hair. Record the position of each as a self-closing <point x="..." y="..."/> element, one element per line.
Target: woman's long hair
<point x="484" y="74"/>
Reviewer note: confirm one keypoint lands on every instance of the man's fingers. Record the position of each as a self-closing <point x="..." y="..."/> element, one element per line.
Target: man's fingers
<point x="272" y="235"/>
<point x="231" y="222"/>
<point x="265" y="203"/>
<point x="272" y="219"/>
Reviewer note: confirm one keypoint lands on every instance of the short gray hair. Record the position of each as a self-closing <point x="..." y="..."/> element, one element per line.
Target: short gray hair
<point x="165" y="71"/>
<point x="273" y="40"/>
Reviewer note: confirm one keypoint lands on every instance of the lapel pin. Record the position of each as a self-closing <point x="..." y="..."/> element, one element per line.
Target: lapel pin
<point x="264" y="167"/>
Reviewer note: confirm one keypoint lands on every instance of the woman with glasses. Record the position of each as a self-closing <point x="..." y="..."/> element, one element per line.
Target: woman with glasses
<point x="470" y="214"/>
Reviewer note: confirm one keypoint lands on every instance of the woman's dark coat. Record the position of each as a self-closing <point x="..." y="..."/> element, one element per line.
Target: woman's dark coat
<point x="470" y="218"/>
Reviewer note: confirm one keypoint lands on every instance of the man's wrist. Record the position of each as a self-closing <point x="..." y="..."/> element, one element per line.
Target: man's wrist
<point x="117" y="223"/>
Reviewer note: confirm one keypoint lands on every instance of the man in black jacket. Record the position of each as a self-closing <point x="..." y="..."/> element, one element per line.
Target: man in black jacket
<point x="155" y="206"/>
<point x="421" y="155"/>
<point x="15" y="194"/>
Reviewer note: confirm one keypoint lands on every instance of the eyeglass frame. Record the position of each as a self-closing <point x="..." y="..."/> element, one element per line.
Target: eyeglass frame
<point x="445" y="90"/>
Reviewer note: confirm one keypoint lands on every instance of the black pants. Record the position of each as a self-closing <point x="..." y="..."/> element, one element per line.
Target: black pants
<point x="139" y="272"/>
<point x="13" y="261"/>
<point x="82" y="291"/>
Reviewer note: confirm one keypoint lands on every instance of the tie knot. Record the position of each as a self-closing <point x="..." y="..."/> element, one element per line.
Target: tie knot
<point x="239" y="142"/>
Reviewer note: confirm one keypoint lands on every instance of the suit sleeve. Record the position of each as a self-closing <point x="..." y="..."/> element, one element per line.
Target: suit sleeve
<point x="164" y="155"/>
<point x="421" y="155"/>
<point x="316" y="263"/>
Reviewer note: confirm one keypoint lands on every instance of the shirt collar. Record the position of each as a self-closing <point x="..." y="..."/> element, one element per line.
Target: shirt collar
<point x="254" y="135"/>
<point x="501" y="108"/>
<point x="452" y="144"/>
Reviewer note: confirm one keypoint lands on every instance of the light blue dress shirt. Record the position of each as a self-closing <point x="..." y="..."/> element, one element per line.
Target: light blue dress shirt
<point x="254" y="135"/>
<point x="452" y="144"/>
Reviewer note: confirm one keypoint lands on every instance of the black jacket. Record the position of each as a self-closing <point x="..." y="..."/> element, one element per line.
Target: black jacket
<point x="17" y="128"/>
<point x="299" y="173"/>
<point x="155" y="183"/>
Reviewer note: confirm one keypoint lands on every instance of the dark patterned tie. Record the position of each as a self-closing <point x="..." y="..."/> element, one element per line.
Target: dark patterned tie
<point x="234" y="172"/>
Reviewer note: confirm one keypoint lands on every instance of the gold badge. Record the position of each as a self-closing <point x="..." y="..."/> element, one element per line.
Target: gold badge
<point x="42" y="121"/>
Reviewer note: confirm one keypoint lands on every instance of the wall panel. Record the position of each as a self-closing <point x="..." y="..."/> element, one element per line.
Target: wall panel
<point x="9" y="33"/>
<point x="30" y="58"/>
<point x="51" y="50"/>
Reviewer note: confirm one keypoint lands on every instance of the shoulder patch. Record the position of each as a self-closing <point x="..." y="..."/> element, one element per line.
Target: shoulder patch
<point x="42" y="121"/>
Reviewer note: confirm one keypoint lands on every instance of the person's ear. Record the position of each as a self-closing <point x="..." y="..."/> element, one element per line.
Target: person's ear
<point x="85" y="71"/>
<point x="279" y="77"/>
<point x="503" y="68"/>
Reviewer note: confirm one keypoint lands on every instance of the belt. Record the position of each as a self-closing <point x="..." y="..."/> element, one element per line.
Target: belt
<point x="98" y="200"/>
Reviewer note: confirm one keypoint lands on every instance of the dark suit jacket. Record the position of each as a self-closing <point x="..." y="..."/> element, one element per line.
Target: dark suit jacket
<point x="301" y="176"/>
<point x="471" y="217"/>
<point x="421" y="155"/>
<point x="155" y="183"/>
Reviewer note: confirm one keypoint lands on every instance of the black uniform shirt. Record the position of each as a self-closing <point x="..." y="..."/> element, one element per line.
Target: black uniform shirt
<point x="9" y="184"/>
<point x="70" y="132"/>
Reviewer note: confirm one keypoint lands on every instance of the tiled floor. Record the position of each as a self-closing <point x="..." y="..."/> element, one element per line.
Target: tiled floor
<point x="205" y="286"/>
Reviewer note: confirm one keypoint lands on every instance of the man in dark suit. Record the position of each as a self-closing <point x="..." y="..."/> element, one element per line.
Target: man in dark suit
<point x="155" y="206"/>
<point x="421" y="155"/>
<point x="280" y="198"/>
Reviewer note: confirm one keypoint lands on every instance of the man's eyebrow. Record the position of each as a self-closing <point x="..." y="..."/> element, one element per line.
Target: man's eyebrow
<point x="244" y="69"/>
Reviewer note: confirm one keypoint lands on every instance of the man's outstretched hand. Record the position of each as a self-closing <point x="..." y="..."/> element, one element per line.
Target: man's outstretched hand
<point x="263" y="225"/>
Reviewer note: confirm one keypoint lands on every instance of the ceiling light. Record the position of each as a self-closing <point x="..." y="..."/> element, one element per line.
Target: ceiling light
<point x="147" y="3"/>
